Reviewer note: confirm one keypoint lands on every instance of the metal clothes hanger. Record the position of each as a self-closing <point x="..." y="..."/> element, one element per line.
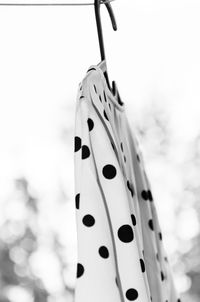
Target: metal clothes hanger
<point x="96" y="3"/>
<point x="103" y="63"/>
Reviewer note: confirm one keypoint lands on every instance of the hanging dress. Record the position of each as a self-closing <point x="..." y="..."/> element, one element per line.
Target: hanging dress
<point x="120" y="251"/>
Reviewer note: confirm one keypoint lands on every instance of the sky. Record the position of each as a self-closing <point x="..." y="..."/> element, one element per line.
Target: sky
<point x="45" y="53"/>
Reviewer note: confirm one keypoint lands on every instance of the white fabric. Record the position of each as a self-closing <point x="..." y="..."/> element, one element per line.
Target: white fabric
<point x="121" y="256"/>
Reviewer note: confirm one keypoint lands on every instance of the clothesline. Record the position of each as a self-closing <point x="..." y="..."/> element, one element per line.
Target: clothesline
<point x="51" y="4"/>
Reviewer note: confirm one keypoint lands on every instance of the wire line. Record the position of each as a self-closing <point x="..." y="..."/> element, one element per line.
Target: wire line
<point x="52" y="4"/>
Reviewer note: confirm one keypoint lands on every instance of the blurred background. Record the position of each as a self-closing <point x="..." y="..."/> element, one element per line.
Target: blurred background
<point x="44" y="54"/>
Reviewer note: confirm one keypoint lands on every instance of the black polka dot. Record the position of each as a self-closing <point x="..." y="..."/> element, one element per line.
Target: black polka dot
<point x="125" y="233"/>
<point x="88" y="220"/>
<point x="151" y="298"/>
<point x="100" y="98"/>
<point x="95" y="88"/>
<point x="79" y="270"/>
<point x="144" y="195"/>
<point x="122" y="147"/>
<point x="138" y="158"/>
<point x="150" y="195"/>
<point x="162" y="275"/>
<point x="151" y="224"/>
<point x="77" y="143"/>
<point x="133" y="219"/>
<point x="130" y="187"/>
<point x="109" y="171"/>
<point x="142" y="265"/>
<point x="113" y="145"/>
<point x="90" y="124"/>
<point x="104" y="96"/>
<point x="104" y="112"/>
<point x="77" y="200"/>
<point x="109" y="106"/>
<point x="124" y="158"/>
<point x="85" y="152"/>
<point x="157" y="256"/>
<point x="131" y="294"/>
<point x="103" y="252"/>
<point x="166" y="301"/>
<point x="179" y="300"/>
<point x="166" y="259"/>
<point x="160" y="235"/>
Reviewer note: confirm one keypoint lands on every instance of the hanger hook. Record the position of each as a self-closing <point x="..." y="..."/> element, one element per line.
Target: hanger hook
<point x="110" y="11"/>
<point x="97" y="4"/>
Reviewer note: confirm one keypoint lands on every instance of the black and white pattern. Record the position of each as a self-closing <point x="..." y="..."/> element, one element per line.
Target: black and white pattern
<point x="121" y="256"/>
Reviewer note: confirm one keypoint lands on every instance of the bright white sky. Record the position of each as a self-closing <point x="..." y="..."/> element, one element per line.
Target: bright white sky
<point x="44" y="54"/>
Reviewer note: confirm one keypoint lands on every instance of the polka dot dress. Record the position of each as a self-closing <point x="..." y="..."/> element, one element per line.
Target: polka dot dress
<point x="120" y="249"/>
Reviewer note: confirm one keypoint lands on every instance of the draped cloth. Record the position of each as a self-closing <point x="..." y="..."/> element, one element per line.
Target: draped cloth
<point x="121" y="255"/>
